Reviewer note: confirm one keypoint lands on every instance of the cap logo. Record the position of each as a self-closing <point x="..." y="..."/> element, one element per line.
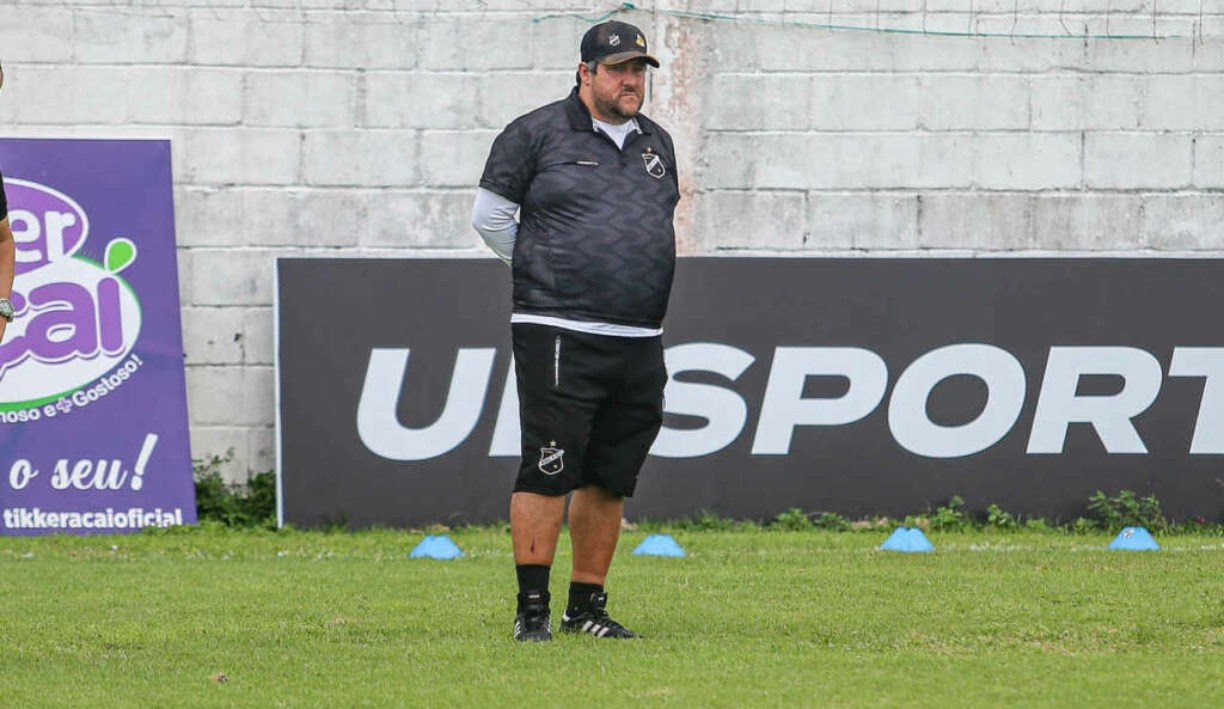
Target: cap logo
<point x="641" y="42"/>
<point x="614" y="40"/>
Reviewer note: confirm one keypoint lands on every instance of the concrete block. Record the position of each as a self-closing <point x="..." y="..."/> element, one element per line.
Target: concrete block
<point x="752" y="220"/>
<point x="886" y="8"/>
<point x="506" y="96"/>
<point x="860" y="102"/>
<point x="833" y="161"/>
<point x="301" y="99"/>
<point x="1193" y="102"/>
<point x="956" y="102"/>
<point x="184" y="95"/>
<point x="258" y="331"/>
<point x="474" y="43"/>
<point x="366" y="157"/>
<point x="130" y="38"/>
<point x="1171" y="56"/>
<point x="454" y="159"/>
<point x="414" y="100"/>
<point x="1026" y="161"/>
<point x="760" y="102"/>
<point x="914" y="160"/>
<point x="69" y="95"/>
<point x="793" y="161"/>
<point x="555" y="44"/>
<point x="209" y="441"/>
<point x="986" y="221"/>
<point x="208" y="216"/>
<point x="261" y="383"/>
<point x="212" y="335"/>
<point x="799" y="49"/>
<point x="262" y="446"/>
<point x="1209" y="161"/>
<point x="183" y="263"/>
<point x="241" y="156"/>
<point x="420" y="219"/>
<point x="37" y="34"/>
<point x="329" y="217"/>
<point x="268" y="38"/>
<point x="1209" y="53"/>
<point x="1085" y="222"/>
<point x="230" y="396"/>
<point x="1088" y="102"/>
<point x="275" y="217"/>
<point x="884" y="220"/>
<point x="1030" y="56"/>
<point x="1183" y="222"/>
<point x="1137" y="160"/>
<point x="727" y="160"/>
<point x="231" y="277"/>
<point x="363" y="40"/>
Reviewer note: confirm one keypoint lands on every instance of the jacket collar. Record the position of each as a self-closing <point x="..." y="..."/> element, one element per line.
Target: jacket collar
<point x="580" y="117"/>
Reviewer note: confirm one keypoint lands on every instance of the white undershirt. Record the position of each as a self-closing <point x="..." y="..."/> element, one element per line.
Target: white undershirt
<point x="493" y="217"/>
<point x="618" y="133"/>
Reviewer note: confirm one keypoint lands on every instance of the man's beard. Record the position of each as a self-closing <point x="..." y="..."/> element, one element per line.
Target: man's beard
<point x="612" y="108"/>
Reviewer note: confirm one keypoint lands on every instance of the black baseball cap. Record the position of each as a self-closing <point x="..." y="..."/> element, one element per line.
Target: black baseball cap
<point x="615" y="42"/>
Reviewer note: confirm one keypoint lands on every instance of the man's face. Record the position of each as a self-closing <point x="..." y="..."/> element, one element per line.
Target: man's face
<point x="619" y="90"/>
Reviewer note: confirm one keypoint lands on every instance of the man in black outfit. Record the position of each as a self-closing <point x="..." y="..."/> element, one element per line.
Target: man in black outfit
<point x="592" y="253"/>
<point x="8" y="254"/>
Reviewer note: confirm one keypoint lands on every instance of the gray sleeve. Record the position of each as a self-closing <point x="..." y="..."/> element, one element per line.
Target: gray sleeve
<point x="493" y="219"/>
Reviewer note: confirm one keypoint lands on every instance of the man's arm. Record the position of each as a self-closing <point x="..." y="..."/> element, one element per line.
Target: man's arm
<point x="493" y="218"/>
<point x="8" y="265"/>
<point x="503" y="187"/>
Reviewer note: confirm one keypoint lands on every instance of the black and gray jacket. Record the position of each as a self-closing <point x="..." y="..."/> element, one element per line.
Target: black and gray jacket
<point x="595" y="239"/>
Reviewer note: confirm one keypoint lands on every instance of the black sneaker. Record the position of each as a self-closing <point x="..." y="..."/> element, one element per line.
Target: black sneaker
<point x="532" y="621"/>
<point x="595" y="621"/>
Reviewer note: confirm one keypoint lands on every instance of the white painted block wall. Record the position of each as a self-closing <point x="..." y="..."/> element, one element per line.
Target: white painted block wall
<point x="360" y="127"/>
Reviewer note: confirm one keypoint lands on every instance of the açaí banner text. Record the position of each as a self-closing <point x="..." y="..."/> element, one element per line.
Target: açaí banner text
<point x="93" y="414"/>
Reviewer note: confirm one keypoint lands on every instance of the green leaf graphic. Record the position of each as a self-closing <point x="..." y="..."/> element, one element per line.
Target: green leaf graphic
<point x="120" y="253"/>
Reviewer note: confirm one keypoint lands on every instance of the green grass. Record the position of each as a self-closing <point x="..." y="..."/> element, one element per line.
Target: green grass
<point x="751" y="616"/>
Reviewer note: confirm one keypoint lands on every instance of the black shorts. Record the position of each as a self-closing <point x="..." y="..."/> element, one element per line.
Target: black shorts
<point x="590" y="407"/>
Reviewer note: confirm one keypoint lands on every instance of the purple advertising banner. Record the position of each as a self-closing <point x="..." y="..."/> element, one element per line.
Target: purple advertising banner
<point x="93" y="405"/>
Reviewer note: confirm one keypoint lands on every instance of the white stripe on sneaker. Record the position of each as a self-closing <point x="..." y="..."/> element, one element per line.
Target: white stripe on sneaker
<point x="588" y="625"/>
<point x="603" y="631"/>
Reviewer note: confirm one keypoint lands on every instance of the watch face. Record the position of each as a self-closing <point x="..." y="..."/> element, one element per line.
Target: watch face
<point x="6" y="309"/>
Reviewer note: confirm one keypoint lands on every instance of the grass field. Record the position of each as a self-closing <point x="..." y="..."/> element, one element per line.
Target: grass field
<point x="760" y="617"/>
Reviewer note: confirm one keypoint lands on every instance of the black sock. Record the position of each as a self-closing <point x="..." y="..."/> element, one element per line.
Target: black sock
<point x="532" y="578"/>
<point x="580" y="597"/>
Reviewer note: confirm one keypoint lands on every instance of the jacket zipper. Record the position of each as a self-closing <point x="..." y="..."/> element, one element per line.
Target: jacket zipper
<point x="557" y="362"/>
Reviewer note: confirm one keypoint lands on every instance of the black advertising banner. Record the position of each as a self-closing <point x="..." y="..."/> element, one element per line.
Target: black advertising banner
<point x="860" y="386"/>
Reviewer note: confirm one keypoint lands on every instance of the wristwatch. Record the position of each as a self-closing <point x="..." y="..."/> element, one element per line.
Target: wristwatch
<point x="6" y="309"/>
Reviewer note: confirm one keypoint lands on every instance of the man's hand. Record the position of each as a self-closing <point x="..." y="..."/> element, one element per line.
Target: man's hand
<point x="3" y="323"/>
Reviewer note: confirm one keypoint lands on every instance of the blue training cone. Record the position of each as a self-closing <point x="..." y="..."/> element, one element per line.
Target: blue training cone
<point x="659" y="545"/>
<point x="439" y="547"/>
<point x="907" y="539"/>
<point x="1134" y="539"/>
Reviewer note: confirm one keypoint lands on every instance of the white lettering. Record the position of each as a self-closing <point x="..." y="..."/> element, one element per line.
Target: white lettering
<point x="507" y="432"/>
<point x="784" y="406"/>
<point x="26" y="230"/>
<point x="1058" y="405"/>
<point x="907" y="410"/>
<point x="20" y="474"/>
<point x="1209" y="426"/>
<point x="723" y="409"/>
<point x="57" y="222"/>
<point x="379" y="427"/>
